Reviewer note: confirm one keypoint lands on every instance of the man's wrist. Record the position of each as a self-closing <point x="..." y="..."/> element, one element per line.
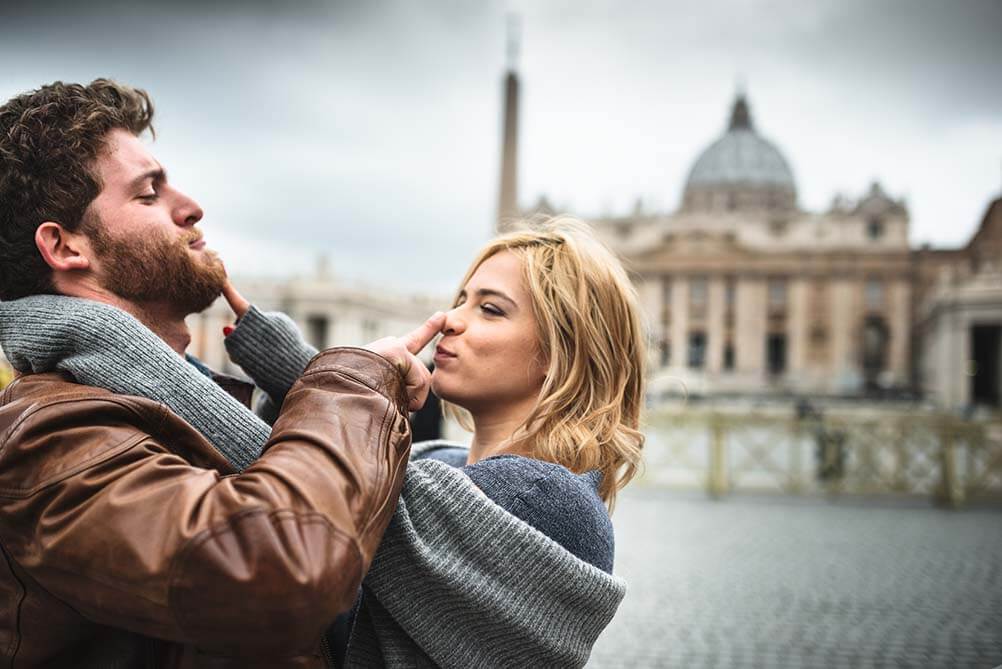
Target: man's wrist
<point x="366" y="367"/>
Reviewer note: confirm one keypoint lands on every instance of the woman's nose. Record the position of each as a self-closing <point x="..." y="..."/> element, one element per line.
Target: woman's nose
<point x="454" y="323"/>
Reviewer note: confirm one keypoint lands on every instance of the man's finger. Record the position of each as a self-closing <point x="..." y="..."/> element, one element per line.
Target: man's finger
<point x="419" y="338"/>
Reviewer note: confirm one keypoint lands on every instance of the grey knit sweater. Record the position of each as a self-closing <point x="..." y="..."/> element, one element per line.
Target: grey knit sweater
<point x="460" y="582"/>
<point x="564" y="506"/>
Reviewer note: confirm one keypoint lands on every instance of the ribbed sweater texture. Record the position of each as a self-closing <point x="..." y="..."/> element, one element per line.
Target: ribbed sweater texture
<point x="460" y="582"/>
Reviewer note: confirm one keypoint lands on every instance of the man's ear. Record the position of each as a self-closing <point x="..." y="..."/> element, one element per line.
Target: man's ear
<point x="62" y="250"/>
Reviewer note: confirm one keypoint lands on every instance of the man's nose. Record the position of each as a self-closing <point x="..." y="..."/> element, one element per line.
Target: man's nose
<point x="186" y="211"/>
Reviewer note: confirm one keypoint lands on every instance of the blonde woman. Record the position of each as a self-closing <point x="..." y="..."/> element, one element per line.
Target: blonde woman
<point x="544" y="351"/>
<point x="501" y="553"/>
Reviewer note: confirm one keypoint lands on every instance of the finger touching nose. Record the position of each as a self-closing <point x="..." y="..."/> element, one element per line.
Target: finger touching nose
<point x="419" y="338"/>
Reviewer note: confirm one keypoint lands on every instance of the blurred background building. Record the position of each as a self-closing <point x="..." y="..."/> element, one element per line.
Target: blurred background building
<point x="329" y="311"/>
<point x="755" y="282"/>
<point x="746" y="293"/>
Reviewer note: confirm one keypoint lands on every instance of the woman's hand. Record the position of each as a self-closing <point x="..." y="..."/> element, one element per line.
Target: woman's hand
<point x="237" y="302"/>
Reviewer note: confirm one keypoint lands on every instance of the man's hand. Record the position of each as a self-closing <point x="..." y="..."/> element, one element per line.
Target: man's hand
<point x="402" y="352"/>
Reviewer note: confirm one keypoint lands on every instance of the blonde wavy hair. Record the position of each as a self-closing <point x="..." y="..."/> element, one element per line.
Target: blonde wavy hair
<point x="590" y="332"/>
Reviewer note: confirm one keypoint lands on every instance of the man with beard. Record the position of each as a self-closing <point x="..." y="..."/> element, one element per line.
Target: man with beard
<point x="138" y="528"/>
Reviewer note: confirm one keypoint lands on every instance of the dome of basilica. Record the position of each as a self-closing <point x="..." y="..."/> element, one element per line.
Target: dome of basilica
<point x="741" y="170"/>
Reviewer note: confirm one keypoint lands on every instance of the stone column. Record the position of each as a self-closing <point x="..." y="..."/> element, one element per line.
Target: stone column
<point x="960" y="346"/>
<point x="844" y="368"/>
<point x="679" y="321"/>
<point x="649" y="296"/>
<point x="715" y="324"/>
<point x="899" y="317"/>
<point x="750" y="321"/>
<point x="797" y="325"/>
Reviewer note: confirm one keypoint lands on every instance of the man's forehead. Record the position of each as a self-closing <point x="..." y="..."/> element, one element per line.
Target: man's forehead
<point x="124" y="157"/>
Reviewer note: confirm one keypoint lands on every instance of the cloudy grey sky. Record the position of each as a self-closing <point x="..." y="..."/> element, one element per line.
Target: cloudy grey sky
<point x="369" y="131"/>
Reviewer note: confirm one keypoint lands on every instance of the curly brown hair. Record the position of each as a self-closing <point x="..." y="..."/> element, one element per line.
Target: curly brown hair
<point x="49" y="139"/>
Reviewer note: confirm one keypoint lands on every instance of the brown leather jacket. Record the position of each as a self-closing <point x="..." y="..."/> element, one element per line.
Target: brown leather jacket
<point x="128" y="540"/>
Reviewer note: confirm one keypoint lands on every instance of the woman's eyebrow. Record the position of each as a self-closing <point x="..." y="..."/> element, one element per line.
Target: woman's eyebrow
<point x="493" y="292"/>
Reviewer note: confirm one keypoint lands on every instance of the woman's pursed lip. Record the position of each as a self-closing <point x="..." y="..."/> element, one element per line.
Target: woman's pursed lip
<point x="444" y="352"/>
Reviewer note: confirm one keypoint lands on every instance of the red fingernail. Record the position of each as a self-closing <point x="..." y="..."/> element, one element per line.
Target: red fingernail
<point x="227" y="330"/>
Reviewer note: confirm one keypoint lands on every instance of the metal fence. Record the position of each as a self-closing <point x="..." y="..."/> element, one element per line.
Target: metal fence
<point x="943" y="457"/>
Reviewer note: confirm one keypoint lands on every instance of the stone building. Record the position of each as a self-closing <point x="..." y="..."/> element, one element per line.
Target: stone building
<point x="746" y="293"/>
<point x="959" y="320"/>
<point x="329" y="312"/>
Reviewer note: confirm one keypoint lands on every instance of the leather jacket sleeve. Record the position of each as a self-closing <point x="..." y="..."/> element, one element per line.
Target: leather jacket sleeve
<point x="133" y="535"/>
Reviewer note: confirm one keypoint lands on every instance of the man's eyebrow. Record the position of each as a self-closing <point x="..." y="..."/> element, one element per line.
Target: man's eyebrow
<point x="158" y="174"/>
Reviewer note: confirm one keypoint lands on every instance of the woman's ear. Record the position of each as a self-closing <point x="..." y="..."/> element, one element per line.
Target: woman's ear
<point x="542" y="367"/>
<point x="62" y="250"/>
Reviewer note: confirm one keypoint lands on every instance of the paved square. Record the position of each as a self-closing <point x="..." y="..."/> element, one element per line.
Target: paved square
<point x="795" y="582"/>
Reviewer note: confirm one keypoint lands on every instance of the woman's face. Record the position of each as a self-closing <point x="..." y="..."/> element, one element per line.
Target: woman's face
<point x="489" y="354"/>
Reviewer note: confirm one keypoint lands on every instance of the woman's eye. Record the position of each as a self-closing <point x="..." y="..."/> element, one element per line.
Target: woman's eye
<point x="148" y="197"/>
<point x="491" y="309"/>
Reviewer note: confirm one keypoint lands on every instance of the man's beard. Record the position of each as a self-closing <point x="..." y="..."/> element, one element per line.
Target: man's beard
<point x="155" y="269"/>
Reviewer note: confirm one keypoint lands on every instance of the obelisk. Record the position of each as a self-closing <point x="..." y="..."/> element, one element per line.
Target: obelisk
<point x="508" y="212"/>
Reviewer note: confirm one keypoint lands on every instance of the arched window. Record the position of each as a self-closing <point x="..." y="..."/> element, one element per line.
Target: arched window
<point x="874" y="294"/>
<point x="874" y="347"/>
<point x="729" y="357"/>
<point x="697" y="349"/>
<point x="874" y="228"/>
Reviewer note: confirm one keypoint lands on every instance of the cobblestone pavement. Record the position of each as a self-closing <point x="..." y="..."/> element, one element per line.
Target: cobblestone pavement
<point x="792" y="582"/>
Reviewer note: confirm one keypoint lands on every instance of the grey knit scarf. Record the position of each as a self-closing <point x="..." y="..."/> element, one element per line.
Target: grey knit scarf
<point x="102" y="346"/>
<point x="460" y="582"/>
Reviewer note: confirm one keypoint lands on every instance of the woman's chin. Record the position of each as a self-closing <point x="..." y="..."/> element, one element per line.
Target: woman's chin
<point x="442" y="390"/>
<point x="448" y="393"/>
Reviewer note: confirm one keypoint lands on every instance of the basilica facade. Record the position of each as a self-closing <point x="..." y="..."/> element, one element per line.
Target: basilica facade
<point x="746" y="293"/>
